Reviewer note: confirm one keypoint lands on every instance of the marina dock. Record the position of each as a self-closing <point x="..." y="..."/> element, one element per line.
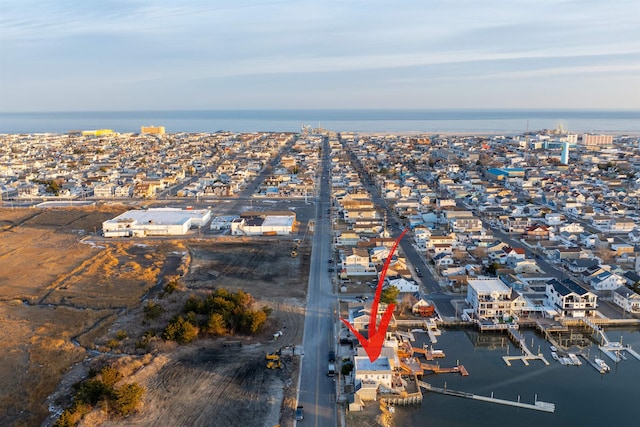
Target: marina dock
<point x="613" y="350"/>
<point x="437" y="369"/>
<point x="527" y="355"/>
<point x="537" y="405"/>
<point x="432" y="330"/>
<point x="594" y="364"/>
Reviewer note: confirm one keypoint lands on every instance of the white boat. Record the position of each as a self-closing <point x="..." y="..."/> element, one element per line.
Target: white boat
<point x="603" y="365"/>
<point x="574" y="359"/>
<point x="554" y="355"/>
<point x="553" y="348"/>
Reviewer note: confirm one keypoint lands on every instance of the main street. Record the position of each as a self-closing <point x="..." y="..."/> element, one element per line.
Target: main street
<point x="317" y="393"/>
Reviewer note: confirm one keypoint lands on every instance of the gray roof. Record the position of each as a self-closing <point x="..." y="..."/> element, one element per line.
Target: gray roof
<point x="567" y="286"/>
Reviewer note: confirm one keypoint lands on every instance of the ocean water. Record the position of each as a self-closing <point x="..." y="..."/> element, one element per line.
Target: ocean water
<point x="583" y="396"/>
<point x="428" y="121"/>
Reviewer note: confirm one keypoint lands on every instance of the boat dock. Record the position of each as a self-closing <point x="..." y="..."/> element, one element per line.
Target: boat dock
<point x="596" y="366"/>
<point x="537" y="405"/>
<point x="432" y="330"/>
<point x="437" y="369"/>
<point x="613" y="350"/>
<point x="527" y="355"/>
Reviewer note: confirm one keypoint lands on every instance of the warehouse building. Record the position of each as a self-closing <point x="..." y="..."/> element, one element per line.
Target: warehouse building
<point x="155" y="222"/>
<point x="279" y="223"/>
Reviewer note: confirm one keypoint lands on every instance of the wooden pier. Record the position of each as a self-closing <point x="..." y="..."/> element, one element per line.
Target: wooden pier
<point x="527" y="355"/>
<point x="437" y="369"/>
<point x="537" y="405"/>
<point x="594" y="364"/>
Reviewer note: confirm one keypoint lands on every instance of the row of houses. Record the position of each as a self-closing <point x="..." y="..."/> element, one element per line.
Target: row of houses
<point x="129" y="165"/>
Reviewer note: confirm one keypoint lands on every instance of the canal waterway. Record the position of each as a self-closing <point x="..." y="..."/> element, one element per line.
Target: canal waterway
<point x="583" y="396"/>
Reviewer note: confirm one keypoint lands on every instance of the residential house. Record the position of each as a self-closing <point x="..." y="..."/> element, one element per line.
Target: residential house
<point x="580" y="265"/>
<point x="627" y="299"/>
<point x="104" y="191"/>
<point x="523" y="266"/>
<point x="347" y="238"/>
<point x="379" y="254"/>
<point x="620" y="248"/>
<point x="570" y="299"/>
<point x="423" y="308"/>
<point x="566" y="254"/>
<point x="634" y="236"/>
<point x="622" y="225"/>
<point x="357" y="264"/>
<point x="606" y="281"/>
<point x="517" y="224"/>
<point x="631" y="278"/>
<point x="574" y="227"/>
<point x="554" y="218"/>
<point x="372" y="374"/>
<point x="402" y="284"/>
<point x="588" y="240"/>
<point x="443" y="259"/>
<point x="493" y="300"/>
<point x="536" y="232"/>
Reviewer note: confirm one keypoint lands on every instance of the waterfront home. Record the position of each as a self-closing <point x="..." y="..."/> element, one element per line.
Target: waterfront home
<point x="570" y="299"/>
<point x="492" y="299"/>
<point x="369" y="376"/>
<point x="627" y="299"/>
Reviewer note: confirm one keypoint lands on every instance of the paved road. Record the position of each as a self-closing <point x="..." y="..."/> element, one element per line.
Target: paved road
<point x="317" y="390"/>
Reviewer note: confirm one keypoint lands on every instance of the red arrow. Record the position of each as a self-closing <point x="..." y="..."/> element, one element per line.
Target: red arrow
<point x="373" y="345"/>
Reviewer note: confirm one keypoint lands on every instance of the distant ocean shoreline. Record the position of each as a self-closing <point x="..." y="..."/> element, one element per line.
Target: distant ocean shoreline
<point x="366" y="121"/>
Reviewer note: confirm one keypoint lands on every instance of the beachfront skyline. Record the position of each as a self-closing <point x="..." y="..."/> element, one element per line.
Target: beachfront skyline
<point x="159" y="55"/>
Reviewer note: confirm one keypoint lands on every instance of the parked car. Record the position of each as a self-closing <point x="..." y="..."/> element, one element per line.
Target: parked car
<point x="330" y="270"/>
<point x="299" y="413"/>
<point x="332" y="356"/>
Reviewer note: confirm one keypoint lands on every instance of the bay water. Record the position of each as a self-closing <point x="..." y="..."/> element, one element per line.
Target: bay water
<point x="583" y="396"/>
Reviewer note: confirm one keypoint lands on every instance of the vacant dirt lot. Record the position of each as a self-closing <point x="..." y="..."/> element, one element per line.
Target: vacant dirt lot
<point x="64" y="298"/>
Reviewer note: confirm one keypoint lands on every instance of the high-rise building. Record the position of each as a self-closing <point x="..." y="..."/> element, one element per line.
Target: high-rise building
<point x="564" y="157"/>
<point x="153" y="130"/>
<point x="598" y="140"/>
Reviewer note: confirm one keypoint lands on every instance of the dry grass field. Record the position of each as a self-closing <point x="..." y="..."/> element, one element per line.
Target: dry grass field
<point x="65" y="296"/>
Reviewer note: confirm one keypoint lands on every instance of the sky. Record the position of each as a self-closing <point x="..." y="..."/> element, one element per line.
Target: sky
<point x="101" y="55"/>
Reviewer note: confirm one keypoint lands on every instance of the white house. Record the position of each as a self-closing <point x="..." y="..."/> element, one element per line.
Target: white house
<point x="372" y="374"/>
<point x="379" y="254"/>
<point x="628" y="300"/>
<point x="554" y="218"/>
<point x="492" y="299"/>
<point x="574" y="227"/>
<point x="570" y="299"/>
<point x="606" y="281"/>
<point x="357" y="263"/>
<point x="403" y="284"/>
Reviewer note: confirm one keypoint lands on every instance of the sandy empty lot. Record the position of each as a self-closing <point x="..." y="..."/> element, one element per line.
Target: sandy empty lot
<point x="64" y="296"/>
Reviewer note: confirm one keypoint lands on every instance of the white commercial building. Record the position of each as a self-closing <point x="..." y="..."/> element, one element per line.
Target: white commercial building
<point x="264" y="223"/>
<point x="155" y="222"/>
